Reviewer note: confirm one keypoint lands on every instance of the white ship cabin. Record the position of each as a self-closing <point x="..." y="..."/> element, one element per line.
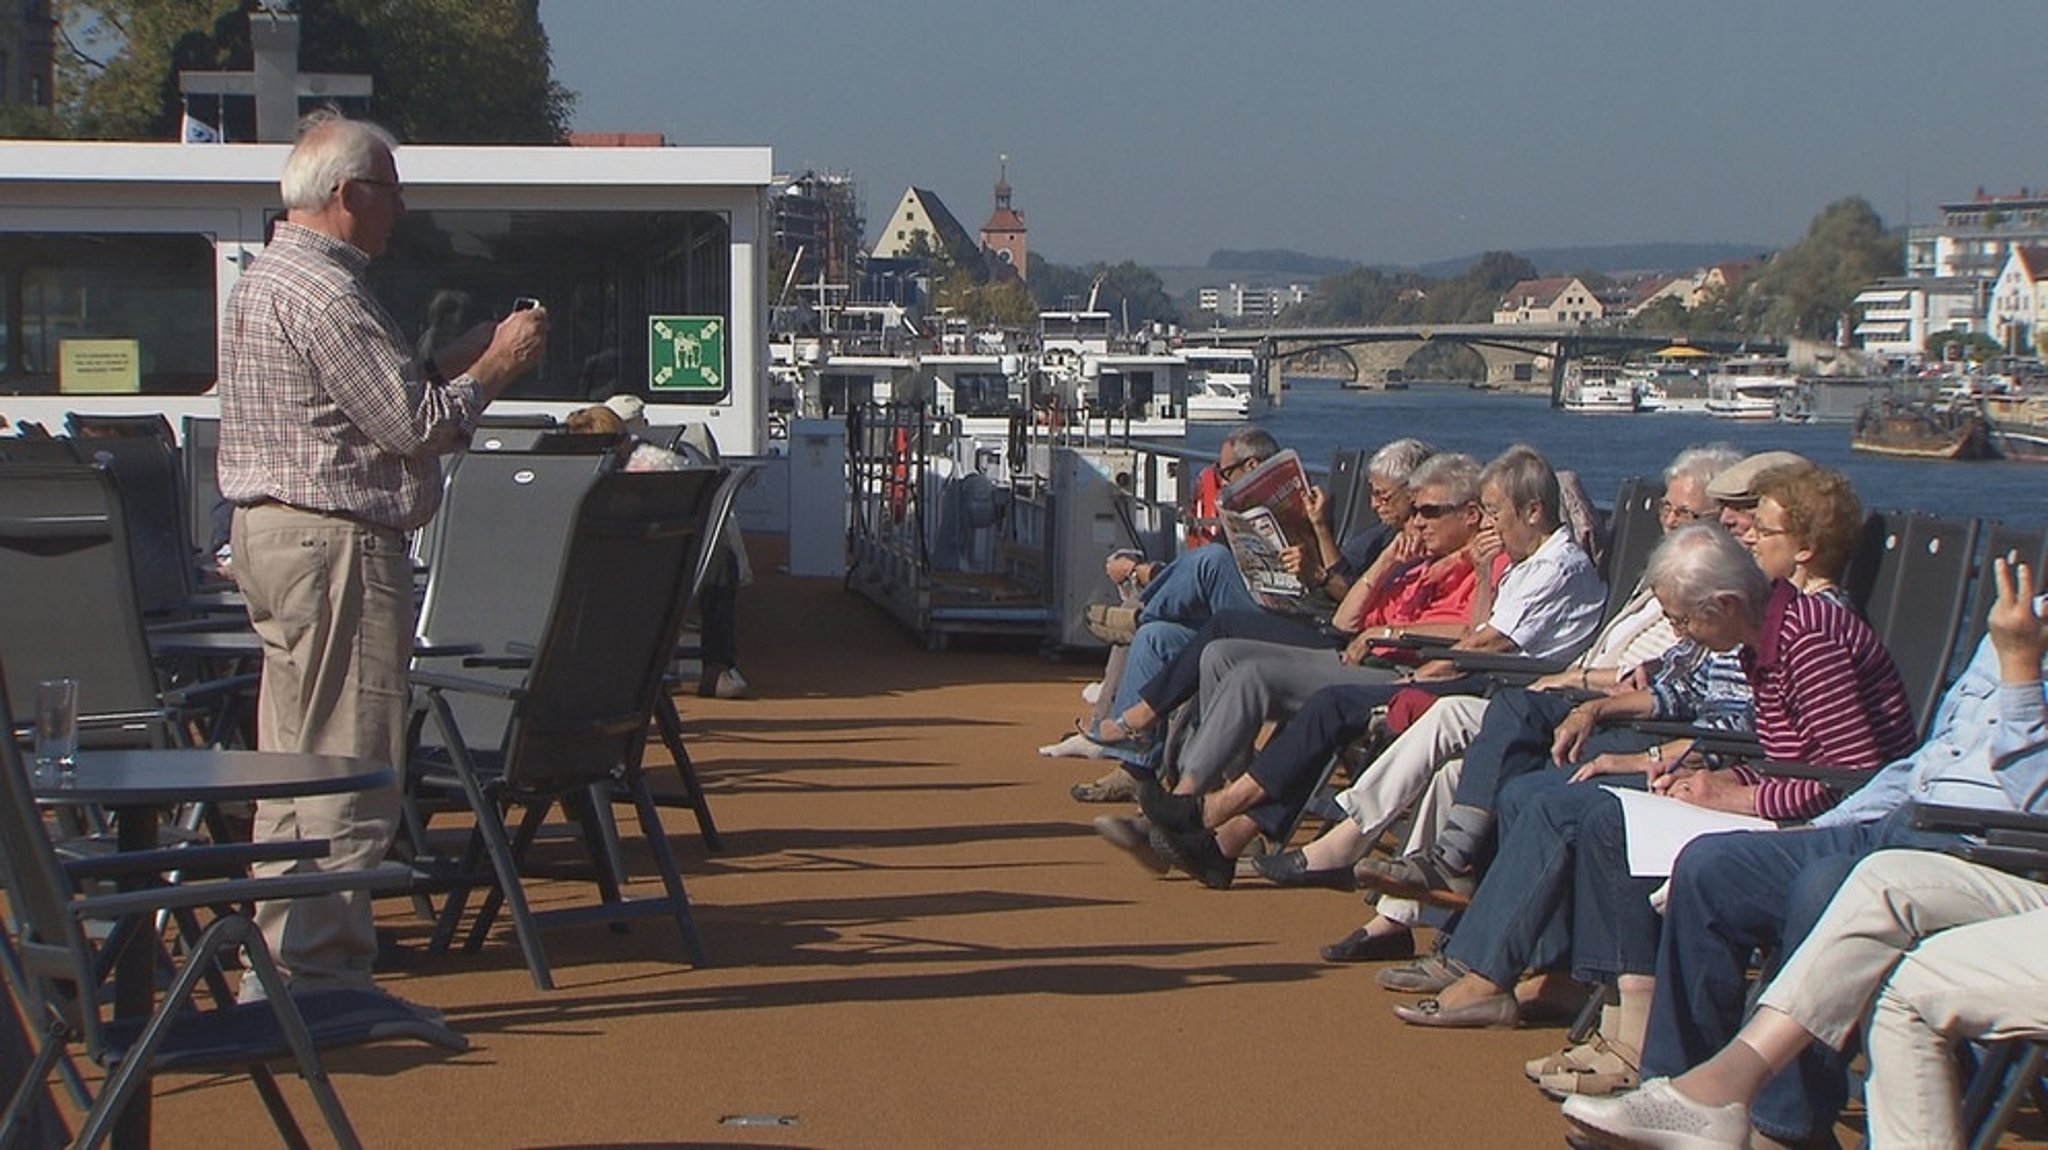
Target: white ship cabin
<point x="116" y="259"/>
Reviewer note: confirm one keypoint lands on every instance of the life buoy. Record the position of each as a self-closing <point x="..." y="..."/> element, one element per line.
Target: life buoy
<point x="897" y="485"/>
<point x="1203" y="524"/>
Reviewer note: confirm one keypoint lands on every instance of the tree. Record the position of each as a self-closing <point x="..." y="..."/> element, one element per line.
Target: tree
<point x="443" y="71"/>
<point x="1807" y="288"/>
<point x="1970" y="346"/>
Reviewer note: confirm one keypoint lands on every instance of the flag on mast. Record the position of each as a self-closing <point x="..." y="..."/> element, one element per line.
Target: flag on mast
<point x="198" y="131"/>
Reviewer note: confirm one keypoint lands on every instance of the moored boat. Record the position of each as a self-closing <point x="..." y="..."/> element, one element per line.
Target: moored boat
<point x="2018" y="424"/>
<point x="1596" y="388"/>
<point x="1751" y="387"/>
<point x="1919" y="429"/>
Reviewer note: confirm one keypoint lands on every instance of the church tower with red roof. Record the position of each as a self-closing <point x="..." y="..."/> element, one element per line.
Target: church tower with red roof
<point x="1002" y="237"/>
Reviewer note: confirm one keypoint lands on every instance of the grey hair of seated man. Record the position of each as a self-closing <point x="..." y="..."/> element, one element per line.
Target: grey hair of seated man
<point x="1397" y="461"/>
<point x="1456" y="475"/>
<point x="1522" y="475"/>
<point x="1702" y="461"/>
<point x="1703" y="569"/>
<point x="331" y="148"/>
<point x="1253" y="440"/>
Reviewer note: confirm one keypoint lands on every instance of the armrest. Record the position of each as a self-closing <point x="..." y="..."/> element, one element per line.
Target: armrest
<point x="424" y="650"/>
<point x="186" y="695"/>
<point x="1840" y="779"/>
<point x="1506" y="663"/>
<point x="178" y="896"/>
<point x="437" y="681"/>
<point x="1414" y="641"/>
<point x="1975" y="820"/>
<point x="194" y="861"/>
<point x="499" y="662"/>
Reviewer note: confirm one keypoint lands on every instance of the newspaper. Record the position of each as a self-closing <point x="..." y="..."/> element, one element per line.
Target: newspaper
<point x="1264" y="512"/>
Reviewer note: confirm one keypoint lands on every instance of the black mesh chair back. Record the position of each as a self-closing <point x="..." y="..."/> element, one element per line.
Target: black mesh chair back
<point x="1871" y="579"/>
<point x="1928" y="597"/>
<point x="1633" y="530"/>
<point x="37" y="449"/>
<point x="201" y="456"/>
<point x="2014" y="545"/>
<point x="72" y="609"/>
<point x="611" y="634"/>
<point x="498" y="542"/>
<point x="148" y="425"/>
<point x="147" y="473"/>
<point x="1350" y="492"/>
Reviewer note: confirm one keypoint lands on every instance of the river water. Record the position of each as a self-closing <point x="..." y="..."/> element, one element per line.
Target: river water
<point x="1317" y="416"/>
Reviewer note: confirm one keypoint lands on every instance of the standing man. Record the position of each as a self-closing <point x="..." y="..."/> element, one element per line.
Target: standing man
<point x="332" y="429"/>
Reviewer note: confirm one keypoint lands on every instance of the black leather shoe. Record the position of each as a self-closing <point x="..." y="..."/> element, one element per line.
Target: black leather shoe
<point x="1290" y="868"/>
<point x="1358" y="946"/>
<point x="1179" y="814"/>
<point x="1198" y="855"/>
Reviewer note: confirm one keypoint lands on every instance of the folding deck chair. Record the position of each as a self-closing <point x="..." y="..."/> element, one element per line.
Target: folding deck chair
<point x="579" y="715"/>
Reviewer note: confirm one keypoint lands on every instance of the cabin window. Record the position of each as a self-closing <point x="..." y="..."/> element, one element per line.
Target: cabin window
<point x="600" y="274"/>
<point x="157" y="290"/>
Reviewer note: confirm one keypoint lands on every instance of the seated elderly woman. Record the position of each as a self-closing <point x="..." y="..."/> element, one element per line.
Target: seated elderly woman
<point x="1824" y="690"/>
<point x="1804" y="527"/>
<point x="1919" y="949"/>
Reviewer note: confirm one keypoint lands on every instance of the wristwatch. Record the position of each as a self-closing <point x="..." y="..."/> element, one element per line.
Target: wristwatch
<point x="1655" y="753"/>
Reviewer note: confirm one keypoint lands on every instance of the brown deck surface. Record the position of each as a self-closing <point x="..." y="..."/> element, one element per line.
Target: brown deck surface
<point x="918" y="942"/>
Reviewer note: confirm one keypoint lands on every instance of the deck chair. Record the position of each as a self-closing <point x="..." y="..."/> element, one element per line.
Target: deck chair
<point x="67" y="1000"/>
<point x="1350" y="491"/>
<point x="151" y="483"/>
<point x="579" y="716"/>
<point x="201" y="458"/>
<point x="37" y="449"/>
<point x="72" y="603"/>
<point x="2005" y="1073"/>
<point x="2014" y="545"/>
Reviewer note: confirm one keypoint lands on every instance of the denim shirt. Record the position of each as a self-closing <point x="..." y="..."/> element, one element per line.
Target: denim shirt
<point x="1988" y="749"/>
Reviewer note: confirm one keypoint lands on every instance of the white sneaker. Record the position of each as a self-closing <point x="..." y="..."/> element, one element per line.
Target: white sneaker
<point x="1074" y="746"/>
<point x="1658" y="1117"/>
<point x="730" y="685"/>
<point x="1092" y="693"/>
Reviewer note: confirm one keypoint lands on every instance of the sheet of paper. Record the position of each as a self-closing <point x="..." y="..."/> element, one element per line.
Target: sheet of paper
<point x="1659" y="827"/>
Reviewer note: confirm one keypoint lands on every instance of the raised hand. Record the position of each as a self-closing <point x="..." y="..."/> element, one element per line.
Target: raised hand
<point x="2018" y="632"/>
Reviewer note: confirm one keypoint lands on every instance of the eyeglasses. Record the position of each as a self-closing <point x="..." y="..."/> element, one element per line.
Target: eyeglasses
<point x="1438" y="510"/>
<point x="1679" y="623"/>
<point x="1683" y="514"/>
<point x="1229" y="473"/>
<point x="396" y="188"/>
<point x="1386" y="495"/>
<point x="1757" y="529"/>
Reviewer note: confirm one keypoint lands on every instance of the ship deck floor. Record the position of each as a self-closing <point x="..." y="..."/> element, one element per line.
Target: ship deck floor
<point x="917" y="941"/>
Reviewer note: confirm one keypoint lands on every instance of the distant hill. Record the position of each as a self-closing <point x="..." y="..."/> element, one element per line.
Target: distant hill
<point x="1281" y="261"/>
<point x="1612" y="258"/>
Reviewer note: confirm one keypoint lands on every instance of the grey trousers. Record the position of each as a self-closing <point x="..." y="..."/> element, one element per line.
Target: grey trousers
<point x="1925" y="950"/>
<point x="1244" y="683"/>
<point x="331" y="600"/>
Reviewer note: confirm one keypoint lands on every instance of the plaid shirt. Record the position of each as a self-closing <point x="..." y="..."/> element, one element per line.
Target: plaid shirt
<point x="322" y="402"/>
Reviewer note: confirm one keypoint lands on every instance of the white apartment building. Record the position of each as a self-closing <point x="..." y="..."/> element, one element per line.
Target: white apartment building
<point x="1900" y="312"/>
<point x="1242" y="303"/>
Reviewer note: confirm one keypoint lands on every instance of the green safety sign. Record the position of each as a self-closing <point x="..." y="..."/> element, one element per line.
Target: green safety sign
<point x="685" y="353"/>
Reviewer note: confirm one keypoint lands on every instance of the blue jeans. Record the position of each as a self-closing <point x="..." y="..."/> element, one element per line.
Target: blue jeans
<point x="1735" y="894"/>
<point x="1182" y="597"/>
<point x="1514" y="739"/>
<point x="1615" y="930"/>
<point x="1520" y="917"/>
<point x="1182" y="676"/>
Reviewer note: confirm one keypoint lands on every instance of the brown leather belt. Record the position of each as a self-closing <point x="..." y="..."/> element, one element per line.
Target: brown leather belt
<point x="342" y="516"/>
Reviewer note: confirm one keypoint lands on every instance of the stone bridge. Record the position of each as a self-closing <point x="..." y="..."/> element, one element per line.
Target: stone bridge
<point x="1515" y="354"/>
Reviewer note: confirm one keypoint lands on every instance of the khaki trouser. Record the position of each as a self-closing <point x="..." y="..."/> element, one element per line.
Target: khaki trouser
<point x="1924" y="950"/>
<point x="331" y="600"/>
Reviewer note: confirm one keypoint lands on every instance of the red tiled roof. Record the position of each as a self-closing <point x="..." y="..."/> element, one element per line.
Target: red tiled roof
<point x="1004" y="220"/>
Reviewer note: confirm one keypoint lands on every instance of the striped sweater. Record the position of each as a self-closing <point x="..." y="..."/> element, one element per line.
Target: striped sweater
<point x="1825" y="692"/>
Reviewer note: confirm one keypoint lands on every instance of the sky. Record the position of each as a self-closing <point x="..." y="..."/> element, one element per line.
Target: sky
<point x="1372" y="130"/>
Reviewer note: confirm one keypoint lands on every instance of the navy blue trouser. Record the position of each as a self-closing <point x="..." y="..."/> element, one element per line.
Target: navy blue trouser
<point x="1291" y="762"/>
<point x="1731" y="896"/>
<point x="1514" y="739"/>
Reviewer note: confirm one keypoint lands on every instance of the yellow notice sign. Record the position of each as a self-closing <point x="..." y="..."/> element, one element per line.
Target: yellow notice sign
<point x="99" y="366"/>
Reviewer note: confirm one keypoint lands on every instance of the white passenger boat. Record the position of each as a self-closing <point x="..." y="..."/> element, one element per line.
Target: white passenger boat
<point x="1596" y="388"/>
<point x="1223" y="384"/>
<point x="1751" y="387"/>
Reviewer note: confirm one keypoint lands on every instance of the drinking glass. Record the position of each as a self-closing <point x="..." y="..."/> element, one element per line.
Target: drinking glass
<point x="56" y="727"/>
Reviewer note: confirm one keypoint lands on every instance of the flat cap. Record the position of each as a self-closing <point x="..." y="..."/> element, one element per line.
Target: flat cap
<point x="1738" y="483"/>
